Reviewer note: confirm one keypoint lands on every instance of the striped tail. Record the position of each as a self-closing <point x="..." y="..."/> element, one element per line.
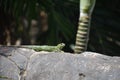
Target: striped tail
<point x="82" y="34"/>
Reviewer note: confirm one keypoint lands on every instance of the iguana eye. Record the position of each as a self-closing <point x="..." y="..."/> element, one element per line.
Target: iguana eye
<point x="62" y="44"/>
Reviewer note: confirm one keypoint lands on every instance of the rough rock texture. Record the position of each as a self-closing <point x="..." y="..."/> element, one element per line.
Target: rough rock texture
<point x="26" y="64"/>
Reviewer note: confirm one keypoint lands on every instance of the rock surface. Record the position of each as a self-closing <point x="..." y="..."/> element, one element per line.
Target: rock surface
<point x="26" y="64"/>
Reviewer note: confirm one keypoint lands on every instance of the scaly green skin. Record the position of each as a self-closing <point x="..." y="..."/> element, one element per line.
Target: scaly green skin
<point x="57" y="48"/>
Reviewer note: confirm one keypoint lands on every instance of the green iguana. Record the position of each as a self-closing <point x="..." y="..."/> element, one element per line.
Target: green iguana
<point x="37" y="48"/>
<point x="57" y="48"/>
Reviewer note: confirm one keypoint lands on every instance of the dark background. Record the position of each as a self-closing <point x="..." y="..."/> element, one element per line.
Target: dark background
<point x="49" y="22"/>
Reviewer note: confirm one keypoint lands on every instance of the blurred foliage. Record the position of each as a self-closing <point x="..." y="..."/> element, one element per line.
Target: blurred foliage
<point x="62" y="19"/>
<point x="105" y="30"/>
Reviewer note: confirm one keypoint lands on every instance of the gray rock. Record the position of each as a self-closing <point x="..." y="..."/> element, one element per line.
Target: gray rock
<point x="8" y="69"/>
<point x="26" y="64"/>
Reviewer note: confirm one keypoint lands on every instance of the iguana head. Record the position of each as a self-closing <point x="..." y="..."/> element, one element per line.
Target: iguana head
<point x="61" y="45"/>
